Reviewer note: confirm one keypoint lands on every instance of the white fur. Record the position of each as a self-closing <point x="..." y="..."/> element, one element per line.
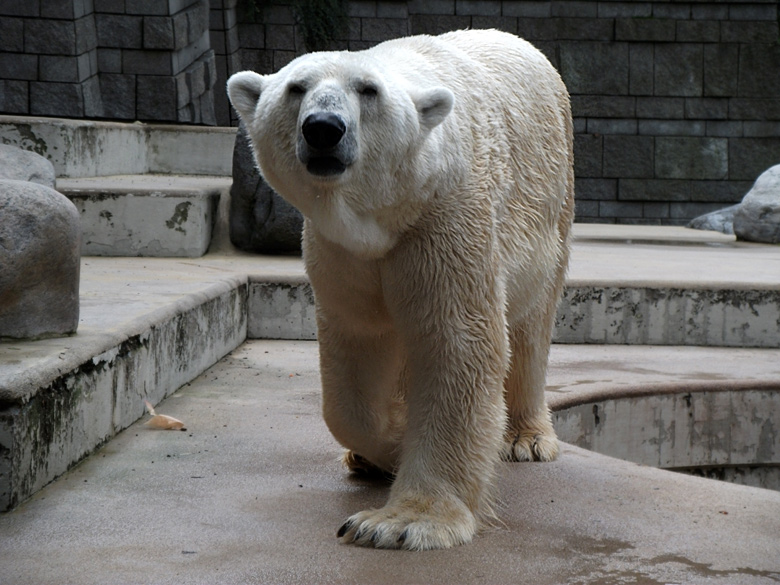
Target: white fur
<point x="437" y="259"/>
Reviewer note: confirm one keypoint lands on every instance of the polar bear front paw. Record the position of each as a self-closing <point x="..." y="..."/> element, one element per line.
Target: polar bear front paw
<point x="530" y="446"/>
<point x="412" y="525"/>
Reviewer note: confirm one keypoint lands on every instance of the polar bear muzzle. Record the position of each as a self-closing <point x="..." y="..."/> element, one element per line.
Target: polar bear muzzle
<point x="322" y="145"/>
<point x="323" y="132"/>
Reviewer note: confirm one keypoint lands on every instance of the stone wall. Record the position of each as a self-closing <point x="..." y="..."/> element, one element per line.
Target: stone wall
<point x="676" y="104"/>
<point x="118" y="59"/>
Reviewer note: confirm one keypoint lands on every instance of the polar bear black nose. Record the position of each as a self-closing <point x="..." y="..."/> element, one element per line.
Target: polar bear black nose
<point x="323" y="130"/>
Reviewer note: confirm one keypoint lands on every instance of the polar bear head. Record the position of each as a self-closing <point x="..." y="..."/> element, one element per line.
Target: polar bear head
<point x="342" y="136"/>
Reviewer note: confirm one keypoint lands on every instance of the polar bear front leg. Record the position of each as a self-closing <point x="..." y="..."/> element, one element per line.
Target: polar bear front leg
<point x="449" y="318"/>
<point x="530" y="435"/>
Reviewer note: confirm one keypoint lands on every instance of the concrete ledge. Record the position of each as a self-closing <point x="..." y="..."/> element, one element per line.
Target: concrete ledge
<point x="56" y="413"/>
<point x="83" y="148"/>
<point x="146" y="215"/>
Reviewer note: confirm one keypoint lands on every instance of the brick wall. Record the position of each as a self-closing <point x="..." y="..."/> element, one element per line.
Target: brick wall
<point x="676" y="103"/>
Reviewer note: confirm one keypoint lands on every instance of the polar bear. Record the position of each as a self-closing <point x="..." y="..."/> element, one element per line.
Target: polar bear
<point x="435" y="178"/>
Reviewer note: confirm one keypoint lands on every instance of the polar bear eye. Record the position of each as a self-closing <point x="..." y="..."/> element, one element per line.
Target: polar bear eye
<point x="296" y="89"/>
<point x="368" y="90"/>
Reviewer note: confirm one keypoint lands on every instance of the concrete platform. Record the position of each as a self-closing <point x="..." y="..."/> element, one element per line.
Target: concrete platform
<point x="151" y="325"/>
<point x="252" y="493"/>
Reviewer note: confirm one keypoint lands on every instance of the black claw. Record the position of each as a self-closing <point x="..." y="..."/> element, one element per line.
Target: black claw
<point x="344" y="528"/>
<point x="374" y="538"/>
<point x="359" y="534"/>
<point x="402" y="537"/>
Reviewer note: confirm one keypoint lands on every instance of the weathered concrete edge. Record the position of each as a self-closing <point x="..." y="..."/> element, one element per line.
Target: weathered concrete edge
<point x="78" y="411"/>
<point x="86" y="148"/>
<point x="23" y="388"/>
<point x="559" y="402"/>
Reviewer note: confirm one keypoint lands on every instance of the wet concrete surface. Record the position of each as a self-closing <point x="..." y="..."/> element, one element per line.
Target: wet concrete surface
<point x="252" y="492"/>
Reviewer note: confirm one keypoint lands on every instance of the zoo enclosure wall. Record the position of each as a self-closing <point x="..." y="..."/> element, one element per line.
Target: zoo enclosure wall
<point x="676" y="104"/>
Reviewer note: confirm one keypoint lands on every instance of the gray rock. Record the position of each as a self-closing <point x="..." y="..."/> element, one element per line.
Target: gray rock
<point x="260" y="220"/>
<point x="758" y="216"/>
<point x="719" y="221"/>
<point x="22" y="165"/>
<point x="40" y="240"/>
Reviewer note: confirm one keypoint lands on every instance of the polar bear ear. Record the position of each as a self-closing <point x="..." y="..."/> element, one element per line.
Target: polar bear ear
<point x="433" y="105"/>
<point x="244" y="89"/>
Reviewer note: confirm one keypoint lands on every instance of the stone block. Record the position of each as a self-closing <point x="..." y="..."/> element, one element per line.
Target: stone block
<point x="521" y="8"/>
<point x="757" y="219"/>
<point x="575" y="9"/>
<point x="583" y="65"/>
<point x="478" y="7"/>
<point x="674" y="11"/>
<point x="158" y="33"/>
<point x="611" y="126"/>
<point x="198" y="20"/>
<point x="260" y="220"/>
<point x="39" y="283"/>
<point x="588" y="155"/>
<point x="538" y="29"/>
<point x="654" y="30"/>
<point x="384" y="29"/>
<point x="93" y="99"/>
<point x="596" y="189"/>
<point x="764" y="129"/>
<point x="715" y="12"/>
<point x="361" y="9"/>
<point x="721" y="70"/>
<point x="14" y="96"/>
<point x="53" y="68"/>
<point x="706" y="108"/>
<point x="762" y="32"/>
<point x="698" y="31"/>
<point x="281" y="37"/>
<point x="603" y="106"/>
<point x="18" y="66"/>
<point x="671" y="128"/>
<point x="385" y="9"/>
<point x="625" y="9"/>
<point x="435" y="6"/>
<point x="628" y="157"/>
<point x="749" y="157"/>
<point x="654" y="190"/>
<point x="64" y="100"/>
<point x="584" y="29"/>
<point x="50" y="37"/>
<point x="110" y="6"/>
<point x="22" y="165"/>
<point x="687" y="211"/>
<point x="759" y="71"/>
<point x="147" y="62"/>
<point x="678" y="70"/>
<point x="691" y="158"/>
<point x="12" y="34"/>
<point x="754" y="109"/>
<point x="585" y="209"/>
<point x="436" y="24"/>
<point x="180" y="31"/>
<point x="504" y="23"/>
<point x="118" y="93"/>
<point x="86" y="34"/>
<point x="621" y="209"/>
<point x="658" y="107"/>
<point x="156" y="98"/>
<point x="109" y="60"/>
<point x="751" y="11"/>
<point x="251" y="36"/>
<point x="69" y="10"/>
<point x="728" y="129"/>
<point x="655" y="210"/>
<point x="641" y="65"/>
<point x="16" y="8"/>
<point x="119" y="31"/>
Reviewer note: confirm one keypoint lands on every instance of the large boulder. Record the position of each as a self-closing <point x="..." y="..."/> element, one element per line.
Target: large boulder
<point x="758" y="216"/>
<point x="260" y="220"/>
<point x="22" y="165"/>
<point x="40" y="242"/>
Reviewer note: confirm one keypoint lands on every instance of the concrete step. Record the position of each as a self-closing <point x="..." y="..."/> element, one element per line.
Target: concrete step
<point x="146" y="215"/>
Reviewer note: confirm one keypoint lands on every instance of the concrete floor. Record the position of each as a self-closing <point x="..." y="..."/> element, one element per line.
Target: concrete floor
<point x="253" y="492"/>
